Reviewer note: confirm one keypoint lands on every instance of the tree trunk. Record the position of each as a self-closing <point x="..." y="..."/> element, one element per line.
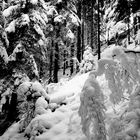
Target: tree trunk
<point x="82" y="45"/>
<point x="56" y="61"/>
<point x="10" y="116"/>
<point x="135" y="25"/>
<point x="128" y="31"/>
<point x="99" y="51"/>
<point x="128" y="21"/>
<point x="64" y="65"/>
<point x="92" y="28"/>
<point x="71" y="61"/>
<point x="83" y="28"/>
<point x="79" y="34"/>
<point x="51" y="62"/>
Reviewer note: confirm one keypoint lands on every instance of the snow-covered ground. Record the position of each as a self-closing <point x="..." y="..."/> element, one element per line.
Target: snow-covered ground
<point x="64" y="122"/>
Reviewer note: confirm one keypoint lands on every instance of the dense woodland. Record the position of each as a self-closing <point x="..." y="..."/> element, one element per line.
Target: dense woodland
<point x="42" y="41"/>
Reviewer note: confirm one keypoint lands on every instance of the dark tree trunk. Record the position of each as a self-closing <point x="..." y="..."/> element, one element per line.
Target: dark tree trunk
<point x="128" y="22"/>
<point x="56" y="61"/>
<point x="51" y="62"/>
<point x="135" y="25"/>
<point x="71" y="61"/>
<point x="128" y="31"/>
<point x="64" y="64"/>
<point x="99" y="51"/>
<point x="11" y="114"/>
<point x="83" y="28"/>
<point x="92" y="28"/>
<point x="41" y="70"/>
<point x="82" y="47"/>
<point x="138" y="22"/>
<point x="79" y="34"/>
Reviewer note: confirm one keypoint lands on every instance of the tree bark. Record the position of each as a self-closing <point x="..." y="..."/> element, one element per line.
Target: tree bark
<point x="83" y="28"/>
<point x="71" y="61"/>
<point x="92" y="28"/>
<point x="99" y="51"/>
<point x="51" y="62"/>
<point x="79" y="34"/>
<point x="56" y="61"/>
<point x="64" y="65"/>
<point x="128" y="21"/>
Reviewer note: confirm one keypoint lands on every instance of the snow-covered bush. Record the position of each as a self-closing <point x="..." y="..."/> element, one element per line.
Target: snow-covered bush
<point x="88" y="63"/>
<point x="32" y="100"/>
<point x="28" y="26"/>
<point x="138" y="37"/>
<point x="43" y="123"/>
<point x="121" y="70"/>
<point x="92" y="110"/>
<point x="126" y="125"/>
<point x="21" y="97"/>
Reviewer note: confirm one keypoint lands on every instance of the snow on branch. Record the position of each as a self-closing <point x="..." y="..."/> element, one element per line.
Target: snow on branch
<point x="122" y="71"/>
<point x="92" y="110"/>
<point x="11" y="27"/>
<point x="7" y="12"/>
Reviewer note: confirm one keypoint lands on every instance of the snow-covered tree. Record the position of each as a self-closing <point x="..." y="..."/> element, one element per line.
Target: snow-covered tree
<point x="29" y="26"/>
<point x="88" y="63"/>
<point x="92" y="110"/>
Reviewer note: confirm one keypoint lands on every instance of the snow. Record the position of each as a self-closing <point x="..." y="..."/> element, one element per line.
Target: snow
<point x="44" y="17"/>
<point x="107" y="53"/>
<point x="59" y="18"/>
<point x="111" y="12"/>
<point x="120" y="27"/>
<point x="25" y="19"/>
<point x="59" y="119"/>
<point x="38" y="17"/>
<point x="107" y="12"/>
<point x="113" y="28"/>
<point x="11" y="132"/>
<point x="138" y="36"/>
<point x="39" y="30"/>
<point x="17" y="49"/>
<point x="34" y="2"/>
<point x="51" y="11"/>
<point x="3" y="54"/>
<point x="7" y="12"/>
<point x="73" y="87"/>
<point x="65" y="123"/>
<point x="41" y="106"/>
<point x="41" y="42"/>
<point x="70" y="35"/>
<point x="59" y="1"/>
<point x="62" y="124"/>
<point x="74" y="19"/>
<point x="3" y="98"/>
<point x="11" y="26"/>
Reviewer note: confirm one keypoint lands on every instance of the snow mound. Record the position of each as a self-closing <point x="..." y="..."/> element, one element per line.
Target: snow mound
<point x="58" y="120"/>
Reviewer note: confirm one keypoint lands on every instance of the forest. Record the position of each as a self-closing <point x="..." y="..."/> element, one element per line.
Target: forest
<point x="69" y="69"/>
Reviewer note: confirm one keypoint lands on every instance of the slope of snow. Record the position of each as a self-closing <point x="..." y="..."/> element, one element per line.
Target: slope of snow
<point x="64" y="123"/>
<point x="71" y="88"/>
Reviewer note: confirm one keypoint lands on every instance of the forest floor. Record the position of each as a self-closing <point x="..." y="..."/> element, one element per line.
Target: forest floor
<point x="65" y="120"/>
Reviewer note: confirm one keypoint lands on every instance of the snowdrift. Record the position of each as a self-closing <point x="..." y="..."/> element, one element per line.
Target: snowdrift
<point x="101" y="105"/>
